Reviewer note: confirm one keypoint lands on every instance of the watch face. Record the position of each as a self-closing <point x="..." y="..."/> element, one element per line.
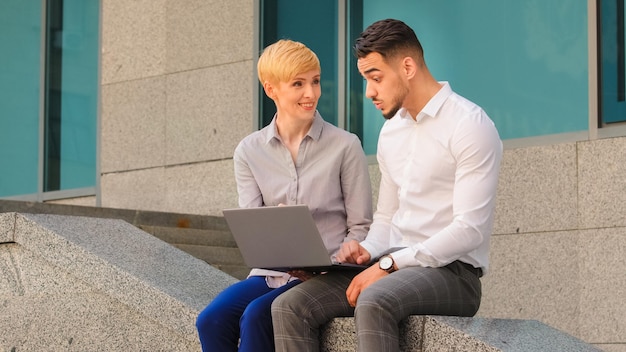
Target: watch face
<point x="386" y="263"/>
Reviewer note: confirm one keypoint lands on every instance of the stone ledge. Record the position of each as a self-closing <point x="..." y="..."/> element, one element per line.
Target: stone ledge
<point x="111" y="259"/>
<point x="443" y="334"/>
<point x="132" y="216"/>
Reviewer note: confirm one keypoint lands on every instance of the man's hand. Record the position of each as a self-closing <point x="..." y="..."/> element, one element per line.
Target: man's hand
<point x="362" y="281"/>
<point x="353" y="252"/>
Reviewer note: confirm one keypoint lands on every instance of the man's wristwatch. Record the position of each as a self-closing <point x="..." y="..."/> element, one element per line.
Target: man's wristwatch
<point x="386" y="263"/>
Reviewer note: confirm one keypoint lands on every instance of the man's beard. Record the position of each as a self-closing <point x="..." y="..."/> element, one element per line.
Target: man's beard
<point x="391" y="113"/>
<point x="397" y="103"/>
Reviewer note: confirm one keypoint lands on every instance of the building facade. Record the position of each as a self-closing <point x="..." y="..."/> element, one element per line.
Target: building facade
<point x="140" y="104"/>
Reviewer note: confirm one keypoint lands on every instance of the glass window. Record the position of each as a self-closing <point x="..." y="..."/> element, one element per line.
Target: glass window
<point x="524" y="62"/>
<point x="60" y="95"/>
<point x="613" y="73"/>
<point x="315" y="25"/>
<point x="71" y="94"/>
<point x="20" y="40"/>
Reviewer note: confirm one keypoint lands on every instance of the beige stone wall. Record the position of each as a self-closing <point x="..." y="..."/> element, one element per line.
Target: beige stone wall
<point x="559" y="243"/>
<point x="177" y="96"/>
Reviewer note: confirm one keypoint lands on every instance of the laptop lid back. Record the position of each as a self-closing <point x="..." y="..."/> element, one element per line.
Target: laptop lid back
<point x="278" y="237"/>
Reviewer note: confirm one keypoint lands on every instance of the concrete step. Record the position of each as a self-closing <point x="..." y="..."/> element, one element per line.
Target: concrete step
<point x="216" y="247"/>
<point x="237" y="271"/>
<point x="213" y="255"/>
<point x="200" y="237"/>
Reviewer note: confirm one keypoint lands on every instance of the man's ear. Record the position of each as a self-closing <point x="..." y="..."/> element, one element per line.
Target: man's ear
<point x="409" y="67"/>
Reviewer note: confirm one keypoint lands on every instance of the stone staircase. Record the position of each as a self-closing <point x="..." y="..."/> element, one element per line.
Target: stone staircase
<point x="205" y="237"/>
<point x="214" y="246"/>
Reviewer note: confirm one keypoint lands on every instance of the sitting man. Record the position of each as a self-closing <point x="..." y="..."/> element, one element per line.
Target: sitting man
<point x="439" y="157"/>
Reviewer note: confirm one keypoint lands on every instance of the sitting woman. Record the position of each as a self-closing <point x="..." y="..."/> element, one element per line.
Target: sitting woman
<point x="297" y="159"/>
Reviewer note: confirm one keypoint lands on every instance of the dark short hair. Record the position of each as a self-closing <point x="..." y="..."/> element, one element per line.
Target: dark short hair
<point x="389" y="38"/>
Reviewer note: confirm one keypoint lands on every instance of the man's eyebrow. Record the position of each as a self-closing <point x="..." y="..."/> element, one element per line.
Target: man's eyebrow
<point x="373" y="69"/>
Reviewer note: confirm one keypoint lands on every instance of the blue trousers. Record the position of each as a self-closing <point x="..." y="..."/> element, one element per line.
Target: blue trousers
<point x="240" y="316"/>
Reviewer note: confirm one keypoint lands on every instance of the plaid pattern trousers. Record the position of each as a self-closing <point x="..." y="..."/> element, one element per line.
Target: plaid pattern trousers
<point x="297" y="315"/>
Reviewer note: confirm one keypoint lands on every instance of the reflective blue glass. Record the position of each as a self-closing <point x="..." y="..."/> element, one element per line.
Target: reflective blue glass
<point x="524" y="62"/>
<point x="60" y="95"/>
<point x="612" y="57"/>
<point x="71" y="94"/>
<point x="315" y="25"/>
<point x="20" y="42"/>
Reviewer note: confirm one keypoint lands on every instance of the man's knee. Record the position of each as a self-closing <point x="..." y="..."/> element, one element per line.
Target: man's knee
<point x="369" y="305"/>
<point x="291" y="302"/>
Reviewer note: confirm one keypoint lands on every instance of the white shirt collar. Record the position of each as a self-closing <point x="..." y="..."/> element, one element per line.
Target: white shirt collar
<point x="432" y="107"/>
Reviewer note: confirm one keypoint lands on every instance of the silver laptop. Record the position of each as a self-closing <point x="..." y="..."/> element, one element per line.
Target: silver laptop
<point x="281" y="238"/>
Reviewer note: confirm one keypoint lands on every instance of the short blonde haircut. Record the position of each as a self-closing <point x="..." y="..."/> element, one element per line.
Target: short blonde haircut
<point x="283" y="60"/>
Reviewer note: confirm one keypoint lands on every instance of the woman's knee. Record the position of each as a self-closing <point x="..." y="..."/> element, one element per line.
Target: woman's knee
<point x="257" y="310"/>
<point x="221" y="316"/>
<point x="211" y="319"/>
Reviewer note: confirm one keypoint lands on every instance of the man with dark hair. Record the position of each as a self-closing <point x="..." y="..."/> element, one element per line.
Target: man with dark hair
<point x="439" y="157"/>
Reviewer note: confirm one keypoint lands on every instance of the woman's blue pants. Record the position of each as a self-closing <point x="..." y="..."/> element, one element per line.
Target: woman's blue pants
<point x="240" y="317"/>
